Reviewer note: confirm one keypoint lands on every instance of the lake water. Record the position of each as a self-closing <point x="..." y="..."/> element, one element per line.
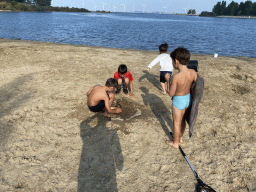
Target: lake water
<point x="141" y="31"/>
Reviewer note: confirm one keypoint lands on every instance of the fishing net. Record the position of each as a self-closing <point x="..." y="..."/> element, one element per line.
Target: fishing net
<point x="201" y="187"/>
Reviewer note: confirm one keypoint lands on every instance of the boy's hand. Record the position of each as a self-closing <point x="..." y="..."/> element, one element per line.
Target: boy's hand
<point x="131" y="94"/>
<point x="118" y="110"/>
<point x="148" y="69"/>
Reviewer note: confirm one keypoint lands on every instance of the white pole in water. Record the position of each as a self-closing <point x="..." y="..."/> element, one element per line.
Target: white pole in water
<point x="83" y="4"/>
<point x="114" y="7"/>
<point x="186" y="9"/>
<point x="165" y="9"/>
<point x="104" y="5"/>
<point x="144" y="8"/>
<point x="124" y="6"/>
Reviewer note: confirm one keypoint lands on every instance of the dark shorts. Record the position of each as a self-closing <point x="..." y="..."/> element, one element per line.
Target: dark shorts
<point x="162" y="75"/>
<point x="99" y="107"/>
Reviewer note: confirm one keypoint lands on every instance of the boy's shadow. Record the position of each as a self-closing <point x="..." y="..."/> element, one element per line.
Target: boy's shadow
<point x="158" y="108"/>
<point x="152" y="79"/>
<point x="101" y="155"/>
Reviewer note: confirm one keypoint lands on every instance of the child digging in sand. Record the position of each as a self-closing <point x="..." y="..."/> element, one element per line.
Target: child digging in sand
<point x="165" y="66"/>
<point x="180" y="92"/>
<point x="100" y="98"/>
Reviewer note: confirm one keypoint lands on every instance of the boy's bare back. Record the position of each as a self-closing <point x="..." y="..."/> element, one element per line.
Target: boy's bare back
<point x="96" y="94"/>
<point x="183" y="81"/>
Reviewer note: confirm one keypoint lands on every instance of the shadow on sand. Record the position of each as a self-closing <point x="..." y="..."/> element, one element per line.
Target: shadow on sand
<point x="12" y="96"/>
<point x="152" y="79"/>
<point x="101" y="156"/>
<point x="158" y="108"/>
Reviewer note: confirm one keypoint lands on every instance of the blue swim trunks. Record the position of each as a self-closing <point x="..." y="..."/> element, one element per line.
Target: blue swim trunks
<point x="99" y="107"/>
<point x="162" y="75"/>
<point x="182" y="102"/>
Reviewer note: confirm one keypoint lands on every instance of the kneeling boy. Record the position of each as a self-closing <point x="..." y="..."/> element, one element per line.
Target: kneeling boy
<point x="100" y="98"/>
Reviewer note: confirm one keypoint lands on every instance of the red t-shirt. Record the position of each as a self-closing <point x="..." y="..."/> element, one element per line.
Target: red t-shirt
<point x="127" y="75"/>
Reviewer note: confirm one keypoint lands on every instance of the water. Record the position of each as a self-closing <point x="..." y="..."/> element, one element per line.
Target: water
<point x="225" y="36"/>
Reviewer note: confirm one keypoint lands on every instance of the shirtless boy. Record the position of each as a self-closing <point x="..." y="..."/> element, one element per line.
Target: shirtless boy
<point x="180" y="92"/>
<point x="100" y="98"/>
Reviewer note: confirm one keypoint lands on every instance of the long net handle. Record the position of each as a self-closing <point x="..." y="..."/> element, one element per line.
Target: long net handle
<point x="184" y="155"/>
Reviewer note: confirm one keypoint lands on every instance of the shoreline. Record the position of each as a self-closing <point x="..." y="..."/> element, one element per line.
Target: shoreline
<point x="50" y="141"/>
<point x="240" y="17"/>
<point x="2" y="39"/>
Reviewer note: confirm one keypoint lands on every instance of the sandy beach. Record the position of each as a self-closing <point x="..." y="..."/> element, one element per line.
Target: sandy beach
<point x="51" y="142"/>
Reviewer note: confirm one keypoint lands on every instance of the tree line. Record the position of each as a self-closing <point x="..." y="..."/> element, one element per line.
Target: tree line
<point x="32" y="2"/>
<point x="247" y="8"/>
<point x="35" y="5"/>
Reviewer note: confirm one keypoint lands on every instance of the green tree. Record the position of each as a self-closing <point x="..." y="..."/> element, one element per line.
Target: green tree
<point x="43" y="2"/>
<point x="253" y="11"/>
<point x="232" y="8"/>
<point x="247" y="7"/>
<point x="191" y="11"/>
<point x="217" y="9"/>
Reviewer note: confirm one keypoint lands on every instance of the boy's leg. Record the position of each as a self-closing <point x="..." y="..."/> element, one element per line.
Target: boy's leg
<point x="126" y="82"/>
<point x="178" y="126"/>
<point x="120" y="82"/>
<point x="183" y="126"/>
<point x="167" y="78"/>
<point x="163" y="87"/>
<point x="162" y="81"/>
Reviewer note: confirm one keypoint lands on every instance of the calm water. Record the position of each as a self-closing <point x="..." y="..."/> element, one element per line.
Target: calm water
<point x="225" y="36"/>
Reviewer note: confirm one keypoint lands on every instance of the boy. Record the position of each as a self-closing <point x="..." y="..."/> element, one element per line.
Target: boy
<point x="180" y="92"/>
<point x="166" y="67"/>
<point x="124" y="77"/>
<point x="100" y="98"/>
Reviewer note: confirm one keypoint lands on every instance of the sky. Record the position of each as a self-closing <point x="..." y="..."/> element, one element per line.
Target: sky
<point x="172" y="6"/>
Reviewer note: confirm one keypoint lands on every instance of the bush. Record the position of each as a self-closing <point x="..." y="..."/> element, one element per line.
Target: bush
<point x="207" y="14"/>
<point x="18" y="7"/>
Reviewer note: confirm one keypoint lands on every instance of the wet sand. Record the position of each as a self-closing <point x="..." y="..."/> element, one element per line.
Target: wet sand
<point x="51" y="142"/>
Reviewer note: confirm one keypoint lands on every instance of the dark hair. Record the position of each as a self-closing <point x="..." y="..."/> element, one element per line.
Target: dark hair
<point x="122" y="69"/>
<point x="182" y="55"/>
<point x="163" y="48"/>
<point x="173" y="55"/>
<point x="111" y="82"/>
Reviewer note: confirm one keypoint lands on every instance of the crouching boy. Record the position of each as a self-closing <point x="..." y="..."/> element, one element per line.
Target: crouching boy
<point x="100" y="98"/>
<point x="124" y="78"/>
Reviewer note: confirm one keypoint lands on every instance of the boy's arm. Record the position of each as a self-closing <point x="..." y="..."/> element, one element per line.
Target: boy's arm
<point x="108" y="107"/>
<point x="173" y="86"/>
<point x="155" y="61"/>
<point x="131" y="86"/>
<point x="88" y="93"/>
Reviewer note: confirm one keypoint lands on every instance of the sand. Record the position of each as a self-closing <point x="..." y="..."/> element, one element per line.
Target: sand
<point x="51" y="142"/>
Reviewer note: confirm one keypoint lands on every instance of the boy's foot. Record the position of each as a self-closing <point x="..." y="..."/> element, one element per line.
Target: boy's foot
<point x="181" y="140"/>
<point x="164" y="93"/>
<point x="125" y="90"/>
<point x="176" y="146"/>
<point x="118" y="90"/>
<point x="106" y="114"/>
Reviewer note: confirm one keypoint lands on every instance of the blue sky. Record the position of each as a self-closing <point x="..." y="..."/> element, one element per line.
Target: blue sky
<point x="173" y="6"/>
